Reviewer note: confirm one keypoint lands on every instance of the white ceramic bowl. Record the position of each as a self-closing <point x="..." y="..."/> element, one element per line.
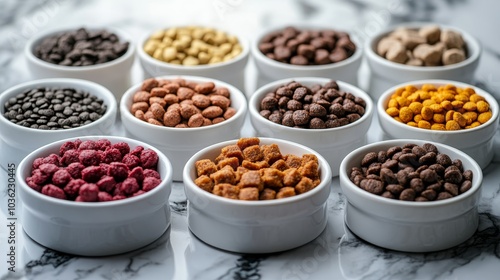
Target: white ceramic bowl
<point x="257" y="226"/>
<point x="28" y="139"/>
<point x="114" y="75"/>
<point x="232" y="71"/>
<point x="476" y="142"/>
<point x="94" y="228"/>
<point x="179" y="144"/>
<point x="408" y="225"/>
<point x="270" y="70"/>
<point x="385" y="73"/>
<point x="331" y="143"/>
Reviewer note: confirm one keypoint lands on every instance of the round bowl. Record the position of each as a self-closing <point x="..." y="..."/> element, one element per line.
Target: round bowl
<point x="332" y="143"/>
<point x="26" y="139"/>
<point x="257" y="226"/>
<point x="408" y="225"/>
<point x="477" y="142"/>
<point x="232" y="71"/>
<point x="179" y="144"/>
<point x="270" y="70"/>
<point x="114" y="75"/>
<point x="94" y="228"/>
<point x="385" y="73"/>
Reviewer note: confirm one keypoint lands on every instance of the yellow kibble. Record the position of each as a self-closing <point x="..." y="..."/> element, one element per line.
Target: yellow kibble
<point x="449" y="115"/>
<point x="417" y="118"/>
<point x="447" y="105"/>
<point x="412" y="123"/>
<point x="392" y="104"/>
<point x="438" y="118"/>
<point x="452" y="125"/>
<point x="450" y="87"/>
<point x="414" y="97"/>
<point x="438" y="126"/>
<point x="424" y="124"/>
<point x="411" y="88"/>
<point x="475" y="124"/>
<point x="470" y="117"/>
<point x="428" y="102"/>
<point x="470" y="106"/>
<point x="436" y="108"/>
<point x="393" y="112"/>
<point x="405" y="114"/>
<point x="469" y="91"/>
<point x="457" y="104"/>
<point x="482" y="106"/>
<point x="476" y="98"/>
<point x="448" y="95"/>
<point x="428" y="87"/>
<point x="461" y="97"/>
<point x="398" y="91"/>
<point x="484" y="117"/>
<point x="424" y="95"/>
<point x="402" y="101"/>
<point x="427" y="113"/>
<point x="459" y="119"/>
<point x="398" y="119"/>
<point x="416" y="107"/>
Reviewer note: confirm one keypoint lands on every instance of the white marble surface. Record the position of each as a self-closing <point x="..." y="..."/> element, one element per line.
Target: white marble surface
<point x="337" y="253"/>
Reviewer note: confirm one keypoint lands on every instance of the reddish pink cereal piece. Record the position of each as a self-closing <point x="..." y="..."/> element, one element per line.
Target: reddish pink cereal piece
<point x="119" y="197"/>
<point x="151" y="173"/>
<point x="53" y="191"/>
<point x="137" y="173"/>
<point x="118" y="189"/>
<point x="75" y="169"/>
<point x="104" y="167"/>
<point x="150" y="183"/>
<point x="149" y="159"/>
<point x="31" y="184"/>
<point x="112" y="155"/>
<point x="87" y="145"/>
<point x="104" y="196"/>
<point x="36" y="163"/>
<point x="92" y="174"/>
<point x="118" y="170"/>
<point x="79" y="199"/>
<point x="88" y="192"/>
<point x="73" y="187"/>
<point x="123" y="147"/>
<point x="61" y="177"/>
<point x="69" y="157"/>
<point x="129" y="186"/>
<point x="139" y="192"/>
<point x="102" y="144"/>
<point x="106" y="184"/>
<point x="77" y="142"/>
<point x="131" y="161"/>
<point x="137" y="151"/>
<point x="48" y="168"/>
<point x="52" y="158"/>
<point x="39" y="177"/>
<point x="66" y="147"/>
<point x="89" y="157"/>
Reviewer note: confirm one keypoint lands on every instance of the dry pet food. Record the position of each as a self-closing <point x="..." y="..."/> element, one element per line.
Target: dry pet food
<point x="307" y="47"/>
<point x="250" y="171"/>
<point x="81" y="47"/>
<point x="316" y="107"/>
<point x="427" y="46"/>
<point x="192" y="45"/>
<point x="439" y="108"/>
<point x="90" y="171"/>
<point x="412" y="173"/>
<point x="54" y="108"/>
<point x="182" y="104"/>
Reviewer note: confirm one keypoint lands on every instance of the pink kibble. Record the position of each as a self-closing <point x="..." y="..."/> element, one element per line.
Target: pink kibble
<point x="75" y="169"/>
<point x="77" y="142"/>
<point x="151" y="173"/>
<point x="118" y="190"/>
<point x="139" y="192"/>
<point x="112" y="155"/>
<point x="137" y="151"/>
<point x="31" y="184"/>
<point x="102" y="144"/>
<point x="89" y="157"/>
<point x="39" y="177"/>
<point x="87" y="145"/>
<point x="149" y="159"/>
<point x="150" y="183"/>
<point x="118" y="170"/>
<point x="53" y="191"/>
<point x="88" y="192"/>
<point x="92" y="174"/>
<point x="52" y="158"/>
<point x="104" y="196"/>
<point x="48" y="168"/>
<point x="131" y="161"/>
<point x="61" y="177"/>
<point x="79" y="199"/>
<point x="36" y="163"/>
<point x="137" y="173"/>
<point x="119" y="197"/>
<point x="123" y="147"/>
<point x="73" y="187"/>
<point x="129" y="186"/>
<point x="106" y="184"/>
<point x="69" y="157"/>
<point x="66" y="147"/>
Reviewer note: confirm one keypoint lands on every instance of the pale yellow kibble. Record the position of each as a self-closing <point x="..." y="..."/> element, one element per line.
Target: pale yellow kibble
<point x="392" y="103"/>
<point x="169" y="54"/>
<point x="482" y="106"/>
<point x="457" y="104"/>
<point x="158" y="54"/>
<point x="417" y="118"/>
<point x="226" y="48"/>
<point x="438" y="118"/>
<point x="416" y="107"/>
<point x="183" y="31"/>
<point x="235" y="52"/>
<point x="227" y="57"/>
<point x="470" y="106"/>
<point x="215" y="59"/>
<point x="392" y="111"/>
<point x="178" y="45"/>
<point x="405" y="114"/>
<point x="428" y="102"/>
<point x="446" y="105"/>
<point x="452" y="125"/>
<point x="171" y="32"/>
<point x="193" y="51"/>
<point x="204" y="57"/>
<point x="427" y="113"/>
<point x="459" y="118"/>
<point x="220" y="39"/>
<point x="412" y="123"/>
<point x="470" y="117"/>
<point x="209" y="38"/>
<point x="157" y="35"/>
<point x="180" y="56"/>
<point x="428" y="87"/>
<point x="438" y="126"/>
<point x="175" y="61"/>
<point x="190" y="61"/>
<point x="197" y="33"/>
<point x="476" y="98"/>
<point x="232" y="39"/>
<point x="484" y="117"/>
<point x="461" y="97"/>
<point x="185" y="38"/>
<point x="150" y="46"/>
<point x="167" y="41"/>
<point x="475" y="124"/>
<point x="449" y="115"/>
<point x="424" y="124"/>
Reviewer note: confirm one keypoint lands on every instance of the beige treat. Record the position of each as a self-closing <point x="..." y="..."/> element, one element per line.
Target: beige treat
<point x="431" y="33"/>
<point x="411" y="39"/>
<point x="453" y="56"/>
<point x="169" y="54"/>
<point x="452" y="39"/>
<point x="430" y="55"/>
<point x="190" y="61"/>
<point x="385" y="44"/>
<point x="398" y="33"/>
<point x="415" y="62"/>
<point x="397" y="53"/>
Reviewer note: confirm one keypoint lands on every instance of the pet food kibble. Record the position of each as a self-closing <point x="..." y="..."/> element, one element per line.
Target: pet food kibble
<point x="257" y="172"/>
<point x="443" y="108"/>
<point x="425" y="46"/>
<point x="81" y="47"/>
<point x="412" y="173"/>
<point x="92" y="171"/>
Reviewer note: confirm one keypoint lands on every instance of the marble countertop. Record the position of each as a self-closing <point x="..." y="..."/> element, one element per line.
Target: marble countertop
<point x="336" y="253"/>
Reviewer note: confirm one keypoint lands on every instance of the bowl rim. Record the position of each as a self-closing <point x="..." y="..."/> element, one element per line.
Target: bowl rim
<point x="128" y="95"/>
<point x="108" y="98"/>
<point x="258" y="95"/>
<point x="259" y="56"/>
<point x="410" y="204"/>
<point x="162" y="64"/>
<point x="122" y="36"/>
<point x="24" y="164"/>
<point x="189" y="183"/>
<point x="494" y="107"/>
<point x="468" y="39"/>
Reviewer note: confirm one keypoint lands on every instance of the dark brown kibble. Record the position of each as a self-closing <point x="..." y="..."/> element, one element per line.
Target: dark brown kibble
<point x="391" y="164"/>
<point x="374" y="168"/>
<point x="393" y="150"/>
<point x="428" y="159"/>
<point x="382" y="156"/>
<point x="430" y="194"/>
<point x="429" y="176"/>
<point x="407" y="195"/>
<point x="443" y="195"/>
<point x="388" y="176"/>
<point x="467" y="175"/>
<point x="417" y="184"/>
<point x="410" y="159"/>
<point x="388" y="194"/>
<point x="466" y="185"/>
<point x="430" y="148"/>
<point x="458" y="163"/>
<point x="317" y="123"/>
<point x="438" y="168"/>
<point x="268" y="103"/>
<point x="395" y="189"/>
<point x="402" y="177"/>
<point x="299" y="93"/>
<point x="451" y="188"/>
<point x="372" y="186"/>
<point x="443" y="160"/>
<point x="300" y="117"/>
<point x="369" y="158"/>
<point x="453" y="176"/>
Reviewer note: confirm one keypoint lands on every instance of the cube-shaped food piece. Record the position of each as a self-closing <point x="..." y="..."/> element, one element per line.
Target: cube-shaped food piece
<point x="309" y="157"/>
<point x="232" y="151"/>
<point x="225" y="175"/>
<point x="227" y="190"/>
<point x="219" y="158"/>
<point x="239" y="172"/>
<point x="267" y="194"/>
<point x="304" y="185"/>
<point x="253" y="153"/>
<point x="271" y="153"/>
<point x="272" y="178"/>
<point x="291" y="177"/>
<point x="205" y="183"/>
<point x="247" y="142"/>
<point x="205" y="167"/>
<point x="285" y="192"/>
<point x="310" y="169"/>
<point x="251" y="179"/>
<point x="249" y="194"/>
<point x="232" y="161"/>
<point x="293" y="161"/>
<point x="280" y="164"/>
<point x="254" y="165"/>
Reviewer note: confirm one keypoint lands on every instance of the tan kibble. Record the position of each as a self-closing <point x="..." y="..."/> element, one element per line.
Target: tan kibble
<point x="431" y="33"/>
<point x="155" y="122"/>
<point x="148" y="115"/>
<point x="140" y="115"/>
<point x="171" y="99"/>
<point x="229" y="113"/>
<point x="205" y="88"/>
<point x="222" y="91"/>
<point x="452" y="39"/>
<point x="453" y="56"/>
<point x="385" y="44"/>
<point x="428" y="54"/>
<point x="169" y="54"/>
<point x="157" y="99"/>
<point x="397" y="53"/>
<point x="411" y="39"/>
<point x="159" y="91"/>
<point x="218" y="120"/>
